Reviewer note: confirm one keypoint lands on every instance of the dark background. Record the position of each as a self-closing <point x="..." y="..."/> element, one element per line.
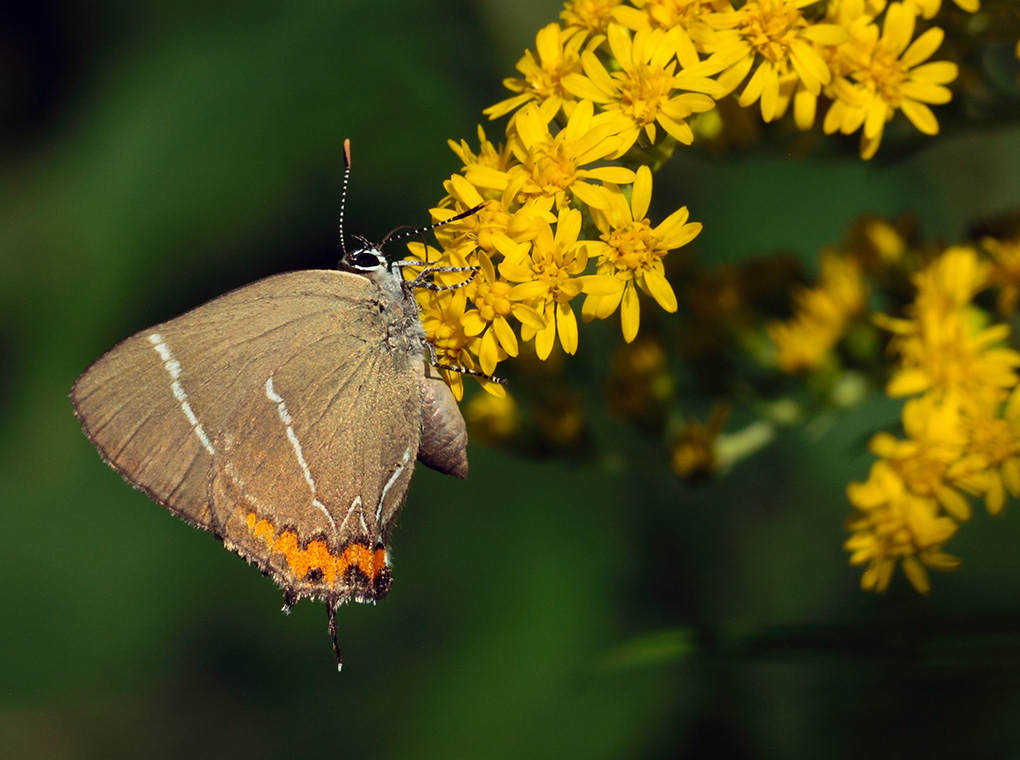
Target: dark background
<point x="153" y="158"/>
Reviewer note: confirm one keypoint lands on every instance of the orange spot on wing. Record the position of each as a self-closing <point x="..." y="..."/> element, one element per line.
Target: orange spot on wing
<point x="317" y="554"/>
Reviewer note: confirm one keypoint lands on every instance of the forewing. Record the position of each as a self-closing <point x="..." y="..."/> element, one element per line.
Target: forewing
<point x="158" y="404"/>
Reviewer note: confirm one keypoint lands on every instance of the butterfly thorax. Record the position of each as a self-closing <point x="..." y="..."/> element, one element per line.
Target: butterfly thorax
<point x="405" y="334"/>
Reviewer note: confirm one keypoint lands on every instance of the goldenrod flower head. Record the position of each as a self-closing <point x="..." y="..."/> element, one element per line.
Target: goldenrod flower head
<point x="1005" y="272"/>
<point x="548" y="277"/>
<point x="493" y="302"/>
<point x="550" y="167"/>
<point x="495" y="229"/>
<point x="776" y="35"/>
<point x="891" y="525"/>
<point x="643" y="92"/>
<point x="950" y="282"/>
<point x="640" y="384"/>
<point x="589" y="16"/>
<point x="994" y="442"/>
<point x="889" y="73"/>
<point x="932" y="454"/>
<point x="944" y="346"/>
<point x="694" y="450"/>
<point x="950" y="355"/>
<point x="694" y="17"/>
<point x="631" y="250"/>
<point x="489" y="155"/>
<point x="559" y="53"/>
<point x="802" y="344"/>
<point x="442" y="317"/>
<point x="886" y="241"/>
<point x="820" y="315"/>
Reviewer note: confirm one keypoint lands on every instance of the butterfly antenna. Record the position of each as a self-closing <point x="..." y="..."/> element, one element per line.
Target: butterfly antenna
<point x="391" y="235"/>
<point x="343" y="192"/>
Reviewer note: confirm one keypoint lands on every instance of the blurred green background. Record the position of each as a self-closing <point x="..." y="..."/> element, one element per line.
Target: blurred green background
<point x="156" y="155"/>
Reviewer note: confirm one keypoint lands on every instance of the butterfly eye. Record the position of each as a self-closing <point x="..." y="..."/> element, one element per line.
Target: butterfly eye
<point x="365" y="260"/>
<point x="368" y="260"/>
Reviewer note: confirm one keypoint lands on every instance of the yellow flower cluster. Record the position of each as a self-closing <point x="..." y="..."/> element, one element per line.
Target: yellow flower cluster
<point x="962" y="433"/>
<point x="820" y="315"/>
<point x="607" y="94"/>
<point x="560" y="217"/>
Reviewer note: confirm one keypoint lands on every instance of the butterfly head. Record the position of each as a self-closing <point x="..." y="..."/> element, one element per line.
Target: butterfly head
<point x="366" y="259"/>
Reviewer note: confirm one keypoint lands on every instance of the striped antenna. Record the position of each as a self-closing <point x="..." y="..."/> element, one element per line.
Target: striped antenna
<point x="392" y="236"/>
<point x="343" y="192"/>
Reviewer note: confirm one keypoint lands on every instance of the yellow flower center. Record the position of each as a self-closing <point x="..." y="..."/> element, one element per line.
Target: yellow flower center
<point x="492" y="300"/>
<point x="547" y="79"/>
<point x="589" y="14"/>
<point x="551" y="168"/>
<point x="770" y="26"/>
<point x="633" y="247"/>
<point x="994" y="439"/>
<point x="921" y="473"/>
<point x="643" y="91"/>
<point x="446" y="334"/>
<point x="884" y="74"/>
<point x="553" y="275"/>
<point x="670" y="13"/>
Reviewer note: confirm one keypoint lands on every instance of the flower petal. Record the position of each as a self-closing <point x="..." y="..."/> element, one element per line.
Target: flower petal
<point x="528" y="316"/>
<point x="658" y="287"/>
<point x="545" y="338"/>
<point x="505" y="335"/>
<point x="601" y="284"/>
<point x="920" y="116"/>
<point x="936" y="72"/>
<point x="589" y="194"/>
<point x="641" y="195"/>
<point x="630" y="313"/>
<point x="923" y="47"/>
<point x="566" y="327"/>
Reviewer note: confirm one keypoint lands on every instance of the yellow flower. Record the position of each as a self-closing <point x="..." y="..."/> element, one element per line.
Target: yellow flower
<point x="643" y="91"/>
<point x="932" y="455"/>
<point x="885" y="75"/>
<point x="776" y="32"/>
<point x="694" y="17"/>
<point x="640" y="386"/>
<point x="632" y="250"/>
<point x="891" y="525"/>
<point x="802" y="344"/>
<point x="489" y="155"/>
<point x="947" y="354"/>
<point x="950" y="282"/>
<point x="442" y="316"/>
<point x="559" y="53"/>
<point x="944" y="346"/>
<point x="995" y="442"/>
<point x="589" y="16"/>
<point x="928" y="8"/>
<point x="493" y="302"/>
<point x="494" y="230"/>
<point x="820" y="315"/>
<point x="694" y="451"/>
<point x="550" y="167"/>
<point x="549" y="278"/>
<point x="1005" y="272"/>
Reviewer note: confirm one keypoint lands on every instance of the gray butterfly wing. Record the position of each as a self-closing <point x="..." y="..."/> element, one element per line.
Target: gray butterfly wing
<point x="161" y="405"/>
<point x="313" y="467"/>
